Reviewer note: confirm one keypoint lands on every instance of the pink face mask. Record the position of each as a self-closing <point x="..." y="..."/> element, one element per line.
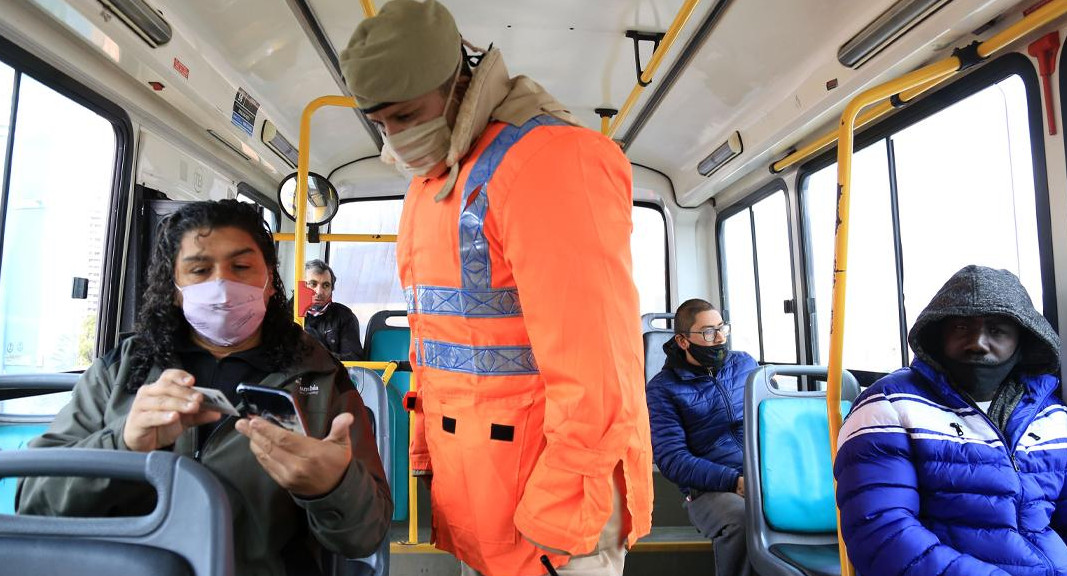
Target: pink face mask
<point x="224" y="313"/>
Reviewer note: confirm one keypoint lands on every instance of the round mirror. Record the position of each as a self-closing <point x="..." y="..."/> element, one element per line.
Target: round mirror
<point x="322" y="199"/>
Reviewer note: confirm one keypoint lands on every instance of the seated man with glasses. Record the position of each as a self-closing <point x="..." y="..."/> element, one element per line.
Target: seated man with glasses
<point x="696" y="407"/>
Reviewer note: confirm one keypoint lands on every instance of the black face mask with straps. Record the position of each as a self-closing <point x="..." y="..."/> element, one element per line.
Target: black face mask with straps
<point x="710" y="357"/>
<point x="980" y="380"/>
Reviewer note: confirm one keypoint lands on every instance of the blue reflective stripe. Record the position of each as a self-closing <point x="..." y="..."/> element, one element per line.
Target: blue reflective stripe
<point x="478" y="360"/>
<point x="473" y="246"/>
<point x="409" y="297"/>
<point x="492" y="303"/>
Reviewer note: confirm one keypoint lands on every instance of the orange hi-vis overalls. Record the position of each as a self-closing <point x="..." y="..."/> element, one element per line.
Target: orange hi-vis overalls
<point x="526" y="342"/>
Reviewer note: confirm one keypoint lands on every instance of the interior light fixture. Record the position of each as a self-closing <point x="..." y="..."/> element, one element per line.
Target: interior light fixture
<point x="881" y="32"/>
<point x="144" y="20"/>
<point x="279" y="144"/>
<point x="721" y="155"/>
<point x="230" y="145"/>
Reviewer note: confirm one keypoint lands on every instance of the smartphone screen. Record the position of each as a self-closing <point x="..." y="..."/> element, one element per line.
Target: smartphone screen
<point x="274" y="406"/>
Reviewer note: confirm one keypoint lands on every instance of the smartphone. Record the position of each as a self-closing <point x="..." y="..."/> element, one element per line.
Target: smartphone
<point x="215" y="400"/>
<point x="272" y="405"/>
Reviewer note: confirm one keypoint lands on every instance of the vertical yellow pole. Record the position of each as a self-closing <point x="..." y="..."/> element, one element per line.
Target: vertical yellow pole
<point x="368" y="8"/>
<point x="303" y="159"/>
<point x="844" y="187"/>
<point x="413" y="482"/>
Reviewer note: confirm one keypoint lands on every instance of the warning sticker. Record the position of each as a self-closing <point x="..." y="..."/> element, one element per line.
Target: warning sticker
<point x="244" y="111"/>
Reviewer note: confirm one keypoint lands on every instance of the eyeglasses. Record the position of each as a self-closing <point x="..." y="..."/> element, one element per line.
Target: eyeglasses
<point x="709" y="334"/>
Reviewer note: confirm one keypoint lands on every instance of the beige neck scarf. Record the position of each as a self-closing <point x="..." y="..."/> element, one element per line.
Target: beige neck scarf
<point x="493" y="95"/>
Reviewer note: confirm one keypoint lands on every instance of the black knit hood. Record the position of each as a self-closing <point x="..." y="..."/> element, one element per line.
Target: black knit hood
<point x="981" y="291"/>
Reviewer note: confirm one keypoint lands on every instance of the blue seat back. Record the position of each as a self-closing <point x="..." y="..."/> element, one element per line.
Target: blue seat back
<point x="795" y="470"/>
<point x="376" y="398"/>
<point x="789" y="498"/>
<point x="386" y="343"/>
<point x="15" y="437"/>
<point x="654" y="338"/>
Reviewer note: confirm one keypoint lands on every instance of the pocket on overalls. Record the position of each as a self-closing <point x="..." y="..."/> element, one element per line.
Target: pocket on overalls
<point x="477" y="450"/>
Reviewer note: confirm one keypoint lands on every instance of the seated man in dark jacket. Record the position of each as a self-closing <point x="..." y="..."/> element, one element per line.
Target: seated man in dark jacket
<point x="331" y="323"/>
<point x="956" y="465"/>
<point x="696" y="408"/>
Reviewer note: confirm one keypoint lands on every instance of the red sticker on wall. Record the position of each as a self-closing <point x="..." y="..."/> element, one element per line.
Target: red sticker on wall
<point x="181" y="68"/>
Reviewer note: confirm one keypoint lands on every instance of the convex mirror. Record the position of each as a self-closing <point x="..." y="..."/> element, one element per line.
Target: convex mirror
<point x="322" y="199"/>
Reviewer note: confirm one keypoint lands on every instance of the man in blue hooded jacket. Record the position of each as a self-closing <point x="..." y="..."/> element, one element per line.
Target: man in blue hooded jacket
<point x="696" y="410"/>
<point x="956" y="465"/>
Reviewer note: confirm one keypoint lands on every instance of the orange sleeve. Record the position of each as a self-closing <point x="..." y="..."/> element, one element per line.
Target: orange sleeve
<point x="565" y="218"/>
<point x="418" y="449"/>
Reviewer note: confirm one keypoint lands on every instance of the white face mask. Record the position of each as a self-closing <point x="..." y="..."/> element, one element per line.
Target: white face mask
<point x="421" y="150"/>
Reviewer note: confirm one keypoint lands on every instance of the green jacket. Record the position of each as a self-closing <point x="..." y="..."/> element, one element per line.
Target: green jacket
<point x="352" y="520"/>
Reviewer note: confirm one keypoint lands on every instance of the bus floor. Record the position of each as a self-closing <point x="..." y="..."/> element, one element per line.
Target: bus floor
<point x="673" y="547"/>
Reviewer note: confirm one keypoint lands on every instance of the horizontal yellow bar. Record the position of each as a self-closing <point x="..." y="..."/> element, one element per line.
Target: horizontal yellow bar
<point x="290" y="237"/>
<point x="701" y="545"/>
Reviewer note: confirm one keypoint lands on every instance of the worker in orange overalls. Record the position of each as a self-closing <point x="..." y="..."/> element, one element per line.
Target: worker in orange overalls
<point x="514" y="253"/>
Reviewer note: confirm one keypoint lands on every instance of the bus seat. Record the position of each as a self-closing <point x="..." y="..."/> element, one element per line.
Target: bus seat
<point x="376" y="398"/>
<point x="789" y="504"/>
<point x="189" y="532"/>
<point x="16" y="430"/>
<point x="385" y="343"/>
<point x="654" y="338"/>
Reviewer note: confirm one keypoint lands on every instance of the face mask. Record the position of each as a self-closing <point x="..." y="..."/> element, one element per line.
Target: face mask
<point x="222" y="312"/>
<point x="318" y="309"/>
<point x="981" y="381"/>
<point x="711" y="357"/>
<point x="421" y="150"/>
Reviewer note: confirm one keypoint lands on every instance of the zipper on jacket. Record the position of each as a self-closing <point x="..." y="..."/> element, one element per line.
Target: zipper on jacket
<point x="729" y="411"/>
<point x="199" y="452"/>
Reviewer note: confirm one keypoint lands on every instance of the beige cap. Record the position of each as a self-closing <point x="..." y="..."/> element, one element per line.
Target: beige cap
<point x="407" y="50"/>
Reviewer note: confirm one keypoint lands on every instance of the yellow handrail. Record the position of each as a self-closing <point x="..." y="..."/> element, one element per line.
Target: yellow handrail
<point x="368" y="8"/>
<point x="668" y="40"/>
<point x="303" y="159"/>
<point x="924" y="77"/>
<point x="1036" y="19"/>
<point x="289" y="237"/>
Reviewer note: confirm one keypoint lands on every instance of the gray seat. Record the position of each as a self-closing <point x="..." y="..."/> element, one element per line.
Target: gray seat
<point x="789" y="500"/>
<point x="654" y="338"/>
<point x="188" y="533"/>
<point x="371" y="388"/>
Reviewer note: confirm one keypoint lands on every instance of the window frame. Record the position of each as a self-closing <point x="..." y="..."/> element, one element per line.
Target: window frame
<point x="666" y="250"/>
<point x="979" y="79"/>
<point x="771" y="188"/>
<point x="111" y="277"/>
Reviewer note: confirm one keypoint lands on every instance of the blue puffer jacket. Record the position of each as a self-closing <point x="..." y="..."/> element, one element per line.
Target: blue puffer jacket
<point x="929" y="485"/>
<point x="697" y="421"/>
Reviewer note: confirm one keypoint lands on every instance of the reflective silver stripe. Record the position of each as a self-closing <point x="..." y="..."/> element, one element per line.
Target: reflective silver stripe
<point x="469" y="303"/>
<point x="478" y="360"/>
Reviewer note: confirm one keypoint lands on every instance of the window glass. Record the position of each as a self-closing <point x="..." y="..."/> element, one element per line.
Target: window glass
<point x="648" y="243"/>
<point x="872" y="326"/>
<point x="7" y="89"/>
<point x="775" y="279"/>
<point x="43" y="328"/>
<point x="965" y="183"/>
<point x="367" y="279"/>
<point x="269" y="217"/>
<point x="740" y="283"/>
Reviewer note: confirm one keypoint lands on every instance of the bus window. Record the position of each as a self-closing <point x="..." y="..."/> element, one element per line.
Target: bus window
<point x="648" y="244"/>
<point x="367" y="279"/>
<point x="960" y="180"/>
<point x="270" y="217"/>
<point x="758" y="280"/>
<point x="54" y="229"/>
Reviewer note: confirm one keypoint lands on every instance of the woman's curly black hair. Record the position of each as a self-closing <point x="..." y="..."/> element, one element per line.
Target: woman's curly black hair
<point x="161" y="325"/>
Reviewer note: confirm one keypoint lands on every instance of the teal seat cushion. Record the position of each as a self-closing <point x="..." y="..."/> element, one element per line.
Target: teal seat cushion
<point x="797" y="477"/>
<point x="386" y="345"/>
<point x="15" y="437"/>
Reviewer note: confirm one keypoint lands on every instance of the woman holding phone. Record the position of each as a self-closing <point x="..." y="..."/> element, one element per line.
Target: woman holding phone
<point x="214" y="316"/>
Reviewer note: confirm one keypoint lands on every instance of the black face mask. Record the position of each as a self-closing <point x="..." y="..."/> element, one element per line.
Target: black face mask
<point x="980" y="381"/>
<point x="710" y="357"/>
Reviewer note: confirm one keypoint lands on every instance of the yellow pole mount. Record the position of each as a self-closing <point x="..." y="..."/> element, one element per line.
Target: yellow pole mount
<point x="606" y="114"/>
<point x="895" y="91"/>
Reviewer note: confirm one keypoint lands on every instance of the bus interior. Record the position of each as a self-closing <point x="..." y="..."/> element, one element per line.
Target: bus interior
<point x="113" y="112"/>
